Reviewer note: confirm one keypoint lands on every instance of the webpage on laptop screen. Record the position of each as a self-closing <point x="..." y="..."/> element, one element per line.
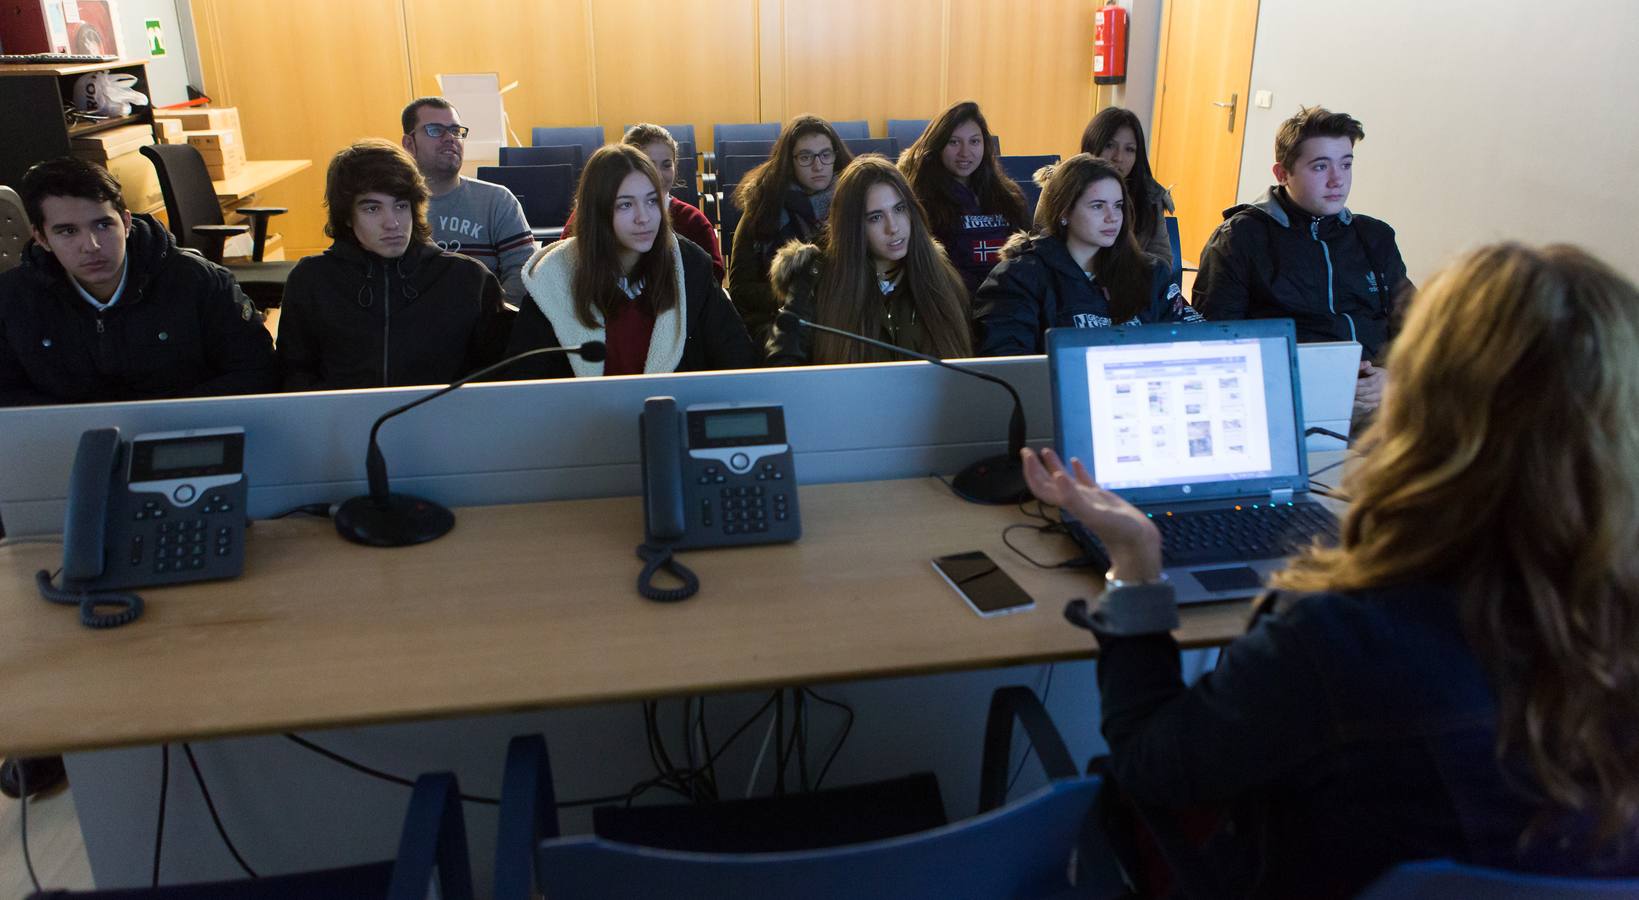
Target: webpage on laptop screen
<point x="1189" y="411"/>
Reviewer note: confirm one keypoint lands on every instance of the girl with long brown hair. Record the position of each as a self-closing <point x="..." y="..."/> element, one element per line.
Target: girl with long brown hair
<point x="1459" y="677"/>
<point x="1117" y="135"/>
<point x="876" y="272"/>
<point x="1080" y="268"/>
<point x="785" y="199"/>
<point x="626" y="280"/>
<point x="972" y="206"/>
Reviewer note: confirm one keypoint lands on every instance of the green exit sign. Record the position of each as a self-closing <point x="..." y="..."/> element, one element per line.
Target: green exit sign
<point x="156" y="37"/>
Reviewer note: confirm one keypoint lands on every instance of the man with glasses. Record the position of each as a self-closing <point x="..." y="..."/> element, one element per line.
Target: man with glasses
<point x="471" y="217"/>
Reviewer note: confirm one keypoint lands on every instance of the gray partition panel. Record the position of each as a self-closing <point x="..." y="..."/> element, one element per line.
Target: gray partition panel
<point x="514" y="442"/>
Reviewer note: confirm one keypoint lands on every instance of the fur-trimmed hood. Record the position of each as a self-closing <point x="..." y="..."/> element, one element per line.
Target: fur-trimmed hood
<point x="549" y="276"/>
<point x="796" y="269"/>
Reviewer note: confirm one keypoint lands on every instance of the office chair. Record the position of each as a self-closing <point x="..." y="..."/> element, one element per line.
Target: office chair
<point x="572" y="155"/>
<point x="856" y="129"/>
<point x="886" y="146"/>
<point x="906" y="131"/>
<point x="195" y="219"/>
<point x="588" y="137"/>
<point x="545" y="192"/>
<point x="1441" y="878"/>
<point x="14" y="230"/>
<point x="1024" y="849"/>
<point x="432" y="851"/>
<point x="1178" y="267"/>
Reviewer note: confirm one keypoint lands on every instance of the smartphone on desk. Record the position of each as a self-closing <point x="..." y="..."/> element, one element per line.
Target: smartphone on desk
<point x="982" y="583"/>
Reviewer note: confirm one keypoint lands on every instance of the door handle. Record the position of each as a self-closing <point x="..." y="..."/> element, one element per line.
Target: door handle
<point x="1234" y="101"/>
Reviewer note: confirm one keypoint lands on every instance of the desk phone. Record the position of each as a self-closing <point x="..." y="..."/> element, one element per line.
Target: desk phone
<point x="165" y="508"/>
<point x="717" y="475"/>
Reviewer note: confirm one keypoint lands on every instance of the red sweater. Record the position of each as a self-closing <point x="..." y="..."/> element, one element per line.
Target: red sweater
<point x="689" y="222"/>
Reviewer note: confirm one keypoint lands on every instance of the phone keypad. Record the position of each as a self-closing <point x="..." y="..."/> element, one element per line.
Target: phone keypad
<point x="746" y="509"/>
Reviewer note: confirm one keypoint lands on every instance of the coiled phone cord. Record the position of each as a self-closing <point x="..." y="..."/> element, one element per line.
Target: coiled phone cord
<point x="127" y="606"/>
<point x="656" y="558"/>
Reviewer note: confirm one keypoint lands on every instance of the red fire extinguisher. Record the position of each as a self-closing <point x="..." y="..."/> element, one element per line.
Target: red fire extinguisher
<point x="1110" y="44"/>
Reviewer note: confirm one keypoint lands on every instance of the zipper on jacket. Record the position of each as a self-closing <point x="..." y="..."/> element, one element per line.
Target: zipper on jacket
<point x="386" y="324"/>
<point x="1326" y="251"/>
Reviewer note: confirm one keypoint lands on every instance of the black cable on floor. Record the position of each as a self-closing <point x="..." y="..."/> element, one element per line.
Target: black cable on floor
<point x="164" y="788"/>
<point x="22" y="801"/>
<point x="210" y="805"/>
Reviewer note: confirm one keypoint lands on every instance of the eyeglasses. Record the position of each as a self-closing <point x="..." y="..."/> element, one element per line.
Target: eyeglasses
<point x="824" y="157"/>
<point x="435" y="131"/>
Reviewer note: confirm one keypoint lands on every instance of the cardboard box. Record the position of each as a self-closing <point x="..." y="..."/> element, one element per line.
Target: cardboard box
<point x="217" y="139"/>
<point x="225" y="169"/>
<point x="139" y="182"/>
<point x="203" y="118"/>
<point x="170" y="131"/>
<point x="104" y="145"/>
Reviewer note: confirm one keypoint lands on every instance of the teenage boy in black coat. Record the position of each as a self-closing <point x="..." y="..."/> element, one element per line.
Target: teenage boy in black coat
<point x="106" y="307"/>
<point x="1300" y="253"/>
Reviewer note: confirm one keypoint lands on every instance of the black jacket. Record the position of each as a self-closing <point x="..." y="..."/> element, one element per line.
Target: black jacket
<point x="352" y="319"/>
<point x="1038" y="286"/>
<point x="710" y="337"/>
<point x="1271" y="260"/>
<point x="182" y="328"/>
<point x="753" y="254"/>
<point x="1344" y="733"/>
<point x="796" y="276"/>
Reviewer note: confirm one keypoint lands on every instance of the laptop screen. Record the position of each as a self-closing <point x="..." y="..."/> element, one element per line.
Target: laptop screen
<point x="1174" y="413"/>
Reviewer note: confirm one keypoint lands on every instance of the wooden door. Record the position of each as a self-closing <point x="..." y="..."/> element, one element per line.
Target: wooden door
<point x="1204" y="72"/>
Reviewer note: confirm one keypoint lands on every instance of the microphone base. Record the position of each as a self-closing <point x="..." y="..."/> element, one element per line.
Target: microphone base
<point x="403" y="521"/>
<point x="997" y="480"/>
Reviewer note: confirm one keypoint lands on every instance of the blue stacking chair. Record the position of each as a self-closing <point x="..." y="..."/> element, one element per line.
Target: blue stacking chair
<point x="906" y="131"/>
<point x="886" y="146"/>
<point x="751" y="131"/>
<point x="1171" y="223"/>
<point x="761" y="149"/>
<point x="1439" y="879"/>
<point x="588" y="137"/>
<point x="546" y="193"/>
<point x="1023" y="168"/>
<point x="572" y="155"/>
<point x="432" y="850"/>
<point x="1020" y="850"/>
<point x="858" y="129"/>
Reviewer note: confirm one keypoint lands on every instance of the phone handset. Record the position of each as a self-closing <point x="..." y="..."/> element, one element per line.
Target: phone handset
<point x="96" y="467"/>
<point x="85" y="532"/>
<point x="661" y="428"/>
<point x="660" y="432"/>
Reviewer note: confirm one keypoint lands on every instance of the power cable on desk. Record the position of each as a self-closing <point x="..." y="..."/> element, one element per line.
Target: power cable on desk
<point x="324" y="510"/>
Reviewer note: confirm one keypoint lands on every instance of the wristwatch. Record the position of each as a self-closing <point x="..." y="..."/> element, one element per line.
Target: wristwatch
<point x="1111" y="582"/>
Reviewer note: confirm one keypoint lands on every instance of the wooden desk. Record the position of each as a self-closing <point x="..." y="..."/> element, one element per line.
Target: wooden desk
<point x="255" y="176"/>
<point x="525" y="607"/>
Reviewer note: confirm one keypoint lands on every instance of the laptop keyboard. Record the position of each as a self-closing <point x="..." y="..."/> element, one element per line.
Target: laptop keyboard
<point x="1247" y="532"/>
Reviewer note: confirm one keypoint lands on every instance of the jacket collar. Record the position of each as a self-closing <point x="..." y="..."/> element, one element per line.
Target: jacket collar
<point x="549" y="276"/>
<point x="1278" y="206"/>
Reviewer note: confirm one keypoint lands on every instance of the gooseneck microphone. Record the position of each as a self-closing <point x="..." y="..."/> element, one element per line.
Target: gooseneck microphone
<point x="384" y="519"/>
<point x="993" y="479"/>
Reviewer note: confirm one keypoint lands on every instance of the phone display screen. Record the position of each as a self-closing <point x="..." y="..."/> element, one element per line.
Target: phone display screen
<point x="982" y="583"/>
<point x="171" y="456"/>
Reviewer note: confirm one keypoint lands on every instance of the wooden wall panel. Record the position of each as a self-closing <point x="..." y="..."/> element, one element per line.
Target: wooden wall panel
<point x="675" y="62"/>
<point x="543" y="45"/>
<point x="1030" y="67"/>
<point x="863" y="59"/>
<point x="309" y="77"/>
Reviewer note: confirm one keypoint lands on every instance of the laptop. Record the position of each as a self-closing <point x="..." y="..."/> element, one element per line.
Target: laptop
<point x="1328" y="372"/>
<point x="1201" y="427"/>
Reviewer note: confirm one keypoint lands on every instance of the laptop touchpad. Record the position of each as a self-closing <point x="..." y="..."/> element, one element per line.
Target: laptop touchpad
<point x="1238" y="578"/>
